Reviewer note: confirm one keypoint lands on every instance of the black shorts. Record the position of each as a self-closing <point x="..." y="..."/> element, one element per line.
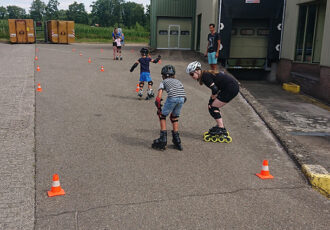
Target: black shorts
<point x="229" y="93"/>
<point x="118" y="47"/>
<point x="114" y="44"/>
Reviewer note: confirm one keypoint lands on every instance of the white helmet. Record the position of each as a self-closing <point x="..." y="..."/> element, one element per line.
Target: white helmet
<point x="193" y="66"/>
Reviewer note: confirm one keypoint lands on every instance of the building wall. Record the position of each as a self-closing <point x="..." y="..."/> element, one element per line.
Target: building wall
<point x="209" y="11"/>
<point x="169" y="8"/>
<point x="314" y="79"/>
<point x="325" y="55"/>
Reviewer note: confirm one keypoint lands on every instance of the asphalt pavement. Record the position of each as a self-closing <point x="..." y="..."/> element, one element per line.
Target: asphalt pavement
<point x="92" y="130"/>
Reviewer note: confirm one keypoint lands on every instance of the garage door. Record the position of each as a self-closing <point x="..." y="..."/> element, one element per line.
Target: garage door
<point x="174" y="33"/>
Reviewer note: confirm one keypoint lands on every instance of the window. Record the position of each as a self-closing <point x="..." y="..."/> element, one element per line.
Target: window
<point x="309" y="33"/>
<point x="163" y="32"/>
<point x="263" y="32"/>
<point x="185" y="32"/>
<point x="248" y="32"/>
<point x="174" y="32"/>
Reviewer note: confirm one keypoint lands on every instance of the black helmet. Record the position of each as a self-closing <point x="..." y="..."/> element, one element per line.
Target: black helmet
<point x="144" y="51"/>
<point x="168" y="70"/>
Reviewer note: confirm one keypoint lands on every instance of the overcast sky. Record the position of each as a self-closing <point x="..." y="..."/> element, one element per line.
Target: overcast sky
<point x="64" y="4"/>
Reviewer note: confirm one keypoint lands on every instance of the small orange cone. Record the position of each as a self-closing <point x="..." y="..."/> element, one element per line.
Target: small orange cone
<point x="38" y="68"/>
<point x="89" y="60"/>
<point x="101" y="50"/>
<point x="264" y="174"/>
<point x="36" y="58"/>
<point x="80" y="54"/>
<point x="137" y="88"/>
<point x="73" y="50"/>
<point x="56" y="189"/>
<point x="39" y="89"/>
<point x="102" y="69"/>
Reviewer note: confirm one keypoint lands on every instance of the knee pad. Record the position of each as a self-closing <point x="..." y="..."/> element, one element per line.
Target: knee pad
<point x="174" y="118"/>
<point x="214" y="112"/>
<point x="161" y="117"/>
<point x="141" y="84"/>
<point x="150" y="83"/>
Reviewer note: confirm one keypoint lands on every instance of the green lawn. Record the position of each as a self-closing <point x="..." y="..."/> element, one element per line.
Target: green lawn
<point x="85" y="33"/>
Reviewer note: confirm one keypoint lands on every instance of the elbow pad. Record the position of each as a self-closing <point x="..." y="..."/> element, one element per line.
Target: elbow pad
<point x="157" y="59"/>
<point x="214" y="89"/>
<point x="133" y="67"/>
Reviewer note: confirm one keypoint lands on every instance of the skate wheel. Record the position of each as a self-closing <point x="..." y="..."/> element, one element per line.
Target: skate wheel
<point x="214" y="139"/>
<point x="228" y="139"/>
<point x="205" y="133"/>
<point x="207" y="138"/>
<point x="221" y="139"/>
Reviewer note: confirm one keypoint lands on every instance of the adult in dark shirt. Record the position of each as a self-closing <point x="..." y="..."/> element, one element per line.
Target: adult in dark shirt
<point x="223" y="89"/>
<point x="213" y="46"/>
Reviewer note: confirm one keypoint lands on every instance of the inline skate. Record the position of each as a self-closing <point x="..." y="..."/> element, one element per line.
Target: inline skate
<point x="140" y="93"/>
<point x="217" y="134"/>
<point x="150" y="94"/>
<point x="161" y="142"/>
<point x="176" y="140"/>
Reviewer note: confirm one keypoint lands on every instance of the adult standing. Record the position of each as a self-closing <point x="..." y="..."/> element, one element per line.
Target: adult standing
<point x="213" y="47"/>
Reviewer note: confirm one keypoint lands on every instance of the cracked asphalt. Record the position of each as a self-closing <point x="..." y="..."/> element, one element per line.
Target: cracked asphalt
<point x="93" y="131"/>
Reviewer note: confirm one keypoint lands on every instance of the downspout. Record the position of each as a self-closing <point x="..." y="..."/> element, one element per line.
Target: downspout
<point x="282" y="29"/>
<point x="219" y="17"/>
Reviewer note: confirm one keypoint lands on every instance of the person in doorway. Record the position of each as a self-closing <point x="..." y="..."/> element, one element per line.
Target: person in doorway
<point x="213" y="47"/>
<point x="223" y="89"/>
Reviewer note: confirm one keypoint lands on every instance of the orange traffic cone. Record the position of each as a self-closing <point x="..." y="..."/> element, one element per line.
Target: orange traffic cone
<point x="102" y="69"/>
<point x="56" y="189"/>
<point x="73" y="50"/>
<point x="39" y="89"/>
<point x="101" y="50"/>
<point x="264" y="174"/>
<point x="89" y="60"/>
<point x="80" y="54"/>
<point x="137" y="88"/>
<point x="36" y="58"/>
<point x="38" y="68"/>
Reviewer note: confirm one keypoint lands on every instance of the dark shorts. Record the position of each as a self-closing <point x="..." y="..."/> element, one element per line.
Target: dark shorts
<point x="119" y="47"/>
<point x="114" y="44"/>
<point x="228" y="94"/>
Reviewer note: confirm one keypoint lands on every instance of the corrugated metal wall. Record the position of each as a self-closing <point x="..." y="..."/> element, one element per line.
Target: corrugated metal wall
<point x="169" y="8"/>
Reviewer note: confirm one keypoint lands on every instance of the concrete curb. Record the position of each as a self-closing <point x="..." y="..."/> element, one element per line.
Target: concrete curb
<point x="316" y="174"/>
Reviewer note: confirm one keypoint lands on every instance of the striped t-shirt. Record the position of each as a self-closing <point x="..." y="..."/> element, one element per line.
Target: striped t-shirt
<point x="173" y="87"/>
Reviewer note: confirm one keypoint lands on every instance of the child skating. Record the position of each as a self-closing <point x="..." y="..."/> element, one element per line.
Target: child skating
<point x="176" y="97"/>
<point x="118" y="44"/>
<point x="224" y="88"/>
<point x="144" y="62"/>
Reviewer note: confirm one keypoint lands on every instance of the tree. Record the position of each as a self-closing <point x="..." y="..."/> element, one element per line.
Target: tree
<point x="77" y="13"/>
<point x="37" y="10"/>
<point x="133" y="13"/>
<point x="106" y="12"/>
<point x="3" y="12"/>
<point x="147" y="17"/>
<point x="51" y="9"/>
<point x="15" y="12"/>
<point x="62" y="15"/>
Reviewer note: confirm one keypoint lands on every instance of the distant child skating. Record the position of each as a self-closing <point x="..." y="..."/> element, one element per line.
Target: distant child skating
<point x="118" y="44"/>
<point x="176" y="97"/>
<point x="144" y="62"/>
<point x="224" y="88"/>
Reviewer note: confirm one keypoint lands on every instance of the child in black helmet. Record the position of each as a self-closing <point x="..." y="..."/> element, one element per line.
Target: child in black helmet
<point x="145" y="72"/>
<point x="176" y="97"/>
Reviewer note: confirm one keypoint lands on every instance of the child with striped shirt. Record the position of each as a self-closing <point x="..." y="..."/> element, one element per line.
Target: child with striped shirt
<point x="176" y="97"/>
